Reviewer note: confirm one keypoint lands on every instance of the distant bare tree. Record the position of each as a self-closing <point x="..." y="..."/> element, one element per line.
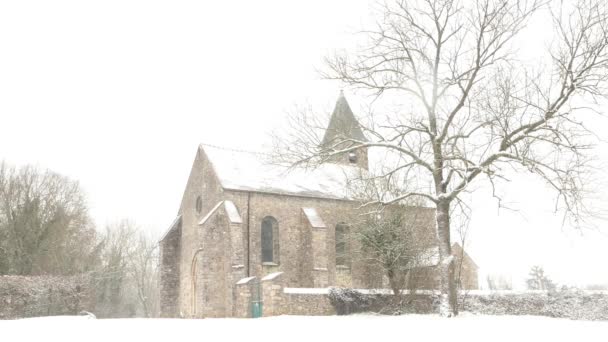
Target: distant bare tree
<point x="499" y="282"/>
<point x="597" y="287"/>
<point x="462" y="106"/>
<point x="114" y="296"/>
<point x="127" y="279"/>
<point x="538" y="280"/>
<point x="143" y="269"/>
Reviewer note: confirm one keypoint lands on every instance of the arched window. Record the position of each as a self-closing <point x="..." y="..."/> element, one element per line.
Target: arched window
<point x="270" y="240"/>
<point x="342" y="250"/>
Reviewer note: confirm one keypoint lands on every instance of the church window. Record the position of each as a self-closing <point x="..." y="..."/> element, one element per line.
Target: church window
<point x="342" y="246"/>
<point x="352" y="157"/>
<point x="199" y="204"/>
<point x="270" y="240"/>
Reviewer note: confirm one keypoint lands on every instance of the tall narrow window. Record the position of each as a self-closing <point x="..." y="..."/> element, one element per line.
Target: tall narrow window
<point x="270" y="240"/>
<point x="199" y="204"/>
<point x="342" y="250"/>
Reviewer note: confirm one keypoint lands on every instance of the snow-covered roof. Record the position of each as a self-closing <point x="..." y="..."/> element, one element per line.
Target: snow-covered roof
<point x="314" y="218"/>
<point x="206" y="217"/>
<point x="245" y="280"/>
<point x="249" y="171"/>
<point x="233" y="213"/>
<point x="272" y="276"/>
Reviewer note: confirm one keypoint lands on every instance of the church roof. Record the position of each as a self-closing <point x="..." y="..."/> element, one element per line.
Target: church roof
<point x="343" y="123"/>
<point x="249" y="171"/>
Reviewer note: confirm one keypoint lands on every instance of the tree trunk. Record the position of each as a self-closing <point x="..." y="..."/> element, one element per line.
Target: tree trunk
<point x="447" y="304"/>
<point x="394" y="282"/>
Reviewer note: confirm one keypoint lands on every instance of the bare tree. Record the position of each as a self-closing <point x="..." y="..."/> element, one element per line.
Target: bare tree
<point x="127" y="279"/>
<point x="144" y="270"/>
<point x="499" y="282"/>
<point x="44" y="224"/>
<point x="538" y="280"/>
<point x="453" y="105"/>
<point x="115" y="298"/>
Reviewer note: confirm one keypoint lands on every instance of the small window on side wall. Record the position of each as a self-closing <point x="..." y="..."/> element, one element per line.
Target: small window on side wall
<point x="199" y="204"/>
<point x="270" y="240"/>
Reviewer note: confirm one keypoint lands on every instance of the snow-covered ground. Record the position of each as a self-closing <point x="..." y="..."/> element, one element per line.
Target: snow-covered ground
<point x="469" y="328"/>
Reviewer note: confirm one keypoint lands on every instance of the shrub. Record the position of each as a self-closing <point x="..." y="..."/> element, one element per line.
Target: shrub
<point x="31" y="296"/>
<point x="573" y="304"/>
<point x="347" y="301"/>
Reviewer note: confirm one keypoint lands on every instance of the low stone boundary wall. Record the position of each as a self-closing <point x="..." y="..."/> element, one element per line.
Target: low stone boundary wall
<point x="31" y="296"/>
<point x="307" y="302"/>
<point x="280" y="300"/>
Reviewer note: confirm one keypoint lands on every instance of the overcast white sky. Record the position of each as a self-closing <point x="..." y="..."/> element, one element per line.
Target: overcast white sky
<point x="118" y="94"/>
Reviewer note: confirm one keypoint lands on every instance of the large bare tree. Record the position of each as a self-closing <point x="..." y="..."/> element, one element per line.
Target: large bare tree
<point x="455" y="103"/>
<point x="44" y="224"/>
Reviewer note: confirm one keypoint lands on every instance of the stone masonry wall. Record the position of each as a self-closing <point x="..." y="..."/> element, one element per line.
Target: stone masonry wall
<point x="272" y="295"/>
<point x="303" y="304"/>
<point x="243" y="295"/>
<point x="304" y="250"/>
<point x="276" y="301"/>
<point x="170" y="259"/>
<point x="201" y="182"/>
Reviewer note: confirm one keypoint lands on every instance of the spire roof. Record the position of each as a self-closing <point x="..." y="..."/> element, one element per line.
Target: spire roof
<point x="343" y="124"/>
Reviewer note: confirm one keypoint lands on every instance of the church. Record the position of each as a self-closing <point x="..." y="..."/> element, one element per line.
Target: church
<point x="241" y="218"/>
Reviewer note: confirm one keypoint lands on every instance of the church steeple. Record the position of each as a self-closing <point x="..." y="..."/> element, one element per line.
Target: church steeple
<point x="342" y="129"/>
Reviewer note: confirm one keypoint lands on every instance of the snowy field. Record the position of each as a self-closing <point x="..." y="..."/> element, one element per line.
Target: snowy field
<point x="467" y="328"/>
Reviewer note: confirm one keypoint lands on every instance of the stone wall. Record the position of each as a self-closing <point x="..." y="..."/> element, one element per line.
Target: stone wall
<point x="243" y="295"/>
<point x="212" y="288"/>
<point x="279" y="300"/>
<point x="201" y="182"/>
<point x="31" y="296"/>
<point x="307" y="303"/>
<point x="307" y="254"/>
<point x="170" y="267"/>
<point x="272" y="295"/>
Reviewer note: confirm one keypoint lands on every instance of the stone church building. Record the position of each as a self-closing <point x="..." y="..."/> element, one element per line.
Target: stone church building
<point x="241" y="218"/>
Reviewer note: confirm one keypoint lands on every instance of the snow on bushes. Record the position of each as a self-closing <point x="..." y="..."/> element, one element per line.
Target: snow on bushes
<point x="31" y="296"/>
<point x="347" y="301"/>
<point x="573" y="304"/>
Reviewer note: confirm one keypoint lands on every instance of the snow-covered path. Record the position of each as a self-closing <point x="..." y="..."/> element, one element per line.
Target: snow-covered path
<point x="467" y="328"/>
